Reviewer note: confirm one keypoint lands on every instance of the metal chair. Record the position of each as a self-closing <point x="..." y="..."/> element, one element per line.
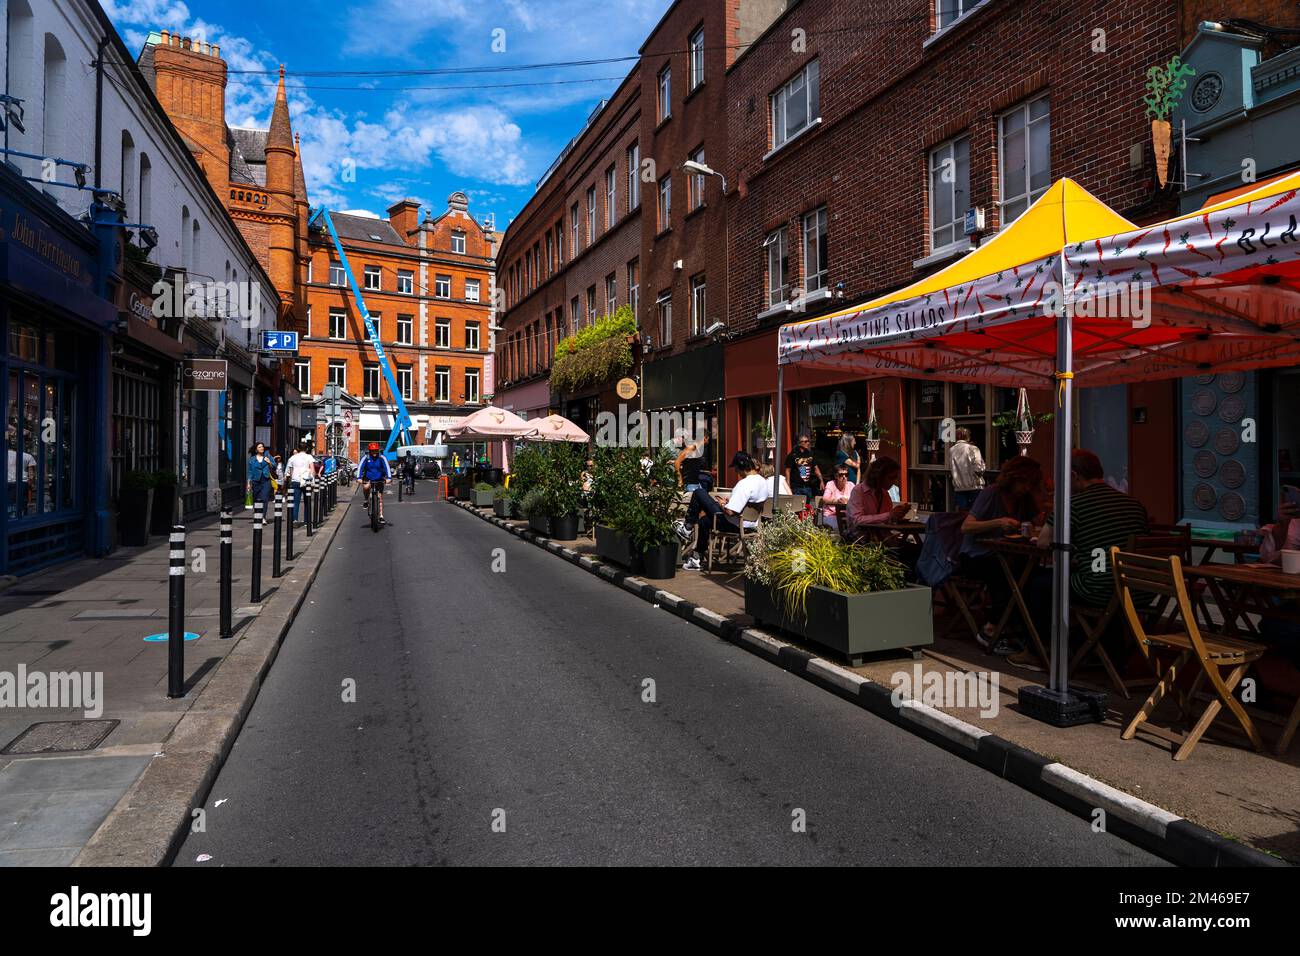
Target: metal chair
<point x="1212" y="653"/>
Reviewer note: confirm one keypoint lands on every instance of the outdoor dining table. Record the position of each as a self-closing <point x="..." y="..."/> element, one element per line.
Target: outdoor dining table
<point x="1243" y="589"/>
<point x="1017" y="550"/>
<point x="1239" y="551"/>
<point x="911" y="531"/>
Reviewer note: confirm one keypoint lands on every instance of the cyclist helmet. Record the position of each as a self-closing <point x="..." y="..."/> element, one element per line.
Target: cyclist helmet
<point x="373" y="447"/>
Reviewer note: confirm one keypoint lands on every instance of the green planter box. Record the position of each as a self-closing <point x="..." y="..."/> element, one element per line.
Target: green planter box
<point x="482" y="499"/>
<point x="541" y="524"/>
<point x="504" y="507"/>
<point x="853" y="625"/>
<point x="616" y="547"/>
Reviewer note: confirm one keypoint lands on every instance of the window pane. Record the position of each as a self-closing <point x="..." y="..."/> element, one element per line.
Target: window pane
<point x="1040" y="155"/>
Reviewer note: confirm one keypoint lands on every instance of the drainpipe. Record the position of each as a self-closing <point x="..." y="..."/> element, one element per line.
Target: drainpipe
<point x="101" y="529"/>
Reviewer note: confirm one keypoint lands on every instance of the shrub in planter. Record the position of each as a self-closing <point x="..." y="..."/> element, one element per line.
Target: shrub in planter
<point x="134" y="508"/>
<point x="638" y="491"/>
<point x="533" y="507"/>
<point x="561" y="488"/>
<point x="503" y="502"/>
<point x="482" y="495"/>
<point x="851" y="598"/>
<point x="164" y="502"/>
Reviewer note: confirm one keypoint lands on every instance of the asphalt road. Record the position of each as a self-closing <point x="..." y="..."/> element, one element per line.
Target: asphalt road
<point x="499" y="719"/>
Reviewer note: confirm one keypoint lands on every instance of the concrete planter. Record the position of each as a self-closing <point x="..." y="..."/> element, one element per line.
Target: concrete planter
<point x="482" y="499"/>
<point x="564" y="527"/>
<point x="853" y="625"/>
<point x="503" y="507"/>
<point x="616" y="547"/>
<point x="540" y="524"/>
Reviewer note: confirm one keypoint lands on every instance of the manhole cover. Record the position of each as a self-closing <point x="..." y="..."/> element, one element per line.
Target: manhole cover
<point x="1204" y="463"/>
<point x="1204" y="402"/>
<point x="60" y="736"/>
<point x="1232" y="506"/>
<point x="1197" y="433"/>
<point x="1203" y="497"/>
<point x="1232" y="408"/>
<point x="1232" y="474"/>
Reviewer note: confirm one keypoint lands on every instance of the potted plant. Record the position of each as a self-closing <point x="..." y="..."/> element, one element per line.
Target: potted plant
<point x="613" y="485"/>
<point x="562" y="490"/>
<point x="649" y="518"/>
<point x="851" y="598"/>
<point x="164" y="503"/>
<point x="134" y="508"/>
<point x="482" y="495"/>
<point x="533" y="507"/>
<point x="1165" y="87"/>
<point x="503" y="502"/>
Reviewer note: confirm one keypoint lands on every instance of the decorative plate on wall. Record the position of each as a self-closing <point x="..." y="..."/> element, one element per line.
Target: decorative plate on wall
<point x="1232" y="474"/>
<point x="1203" y="497"/>
<point x="1232" y="408"/>
<point x="1232" y="382"/>
<point x="1205" y="463"/>
<point x="1204" y="402"/>
<point x="1196" y="434"/>
<point x="1226" y="442"/>
<point x="1205" y="380"/>
<point x="1232" y="506"/>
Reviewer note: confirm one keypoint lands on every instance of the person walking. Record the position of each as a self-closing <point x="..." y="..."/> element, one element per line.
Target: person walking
<point x="805" y="475"/>
<point x="301" y="466"/>
<point x="966" y="465"/>
<point x="260" y="469"/>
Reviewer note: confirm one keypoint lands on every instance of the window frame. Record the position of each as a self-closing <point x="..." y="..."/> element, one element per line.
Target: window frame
<point x="664" y="94"/>
<point x="933" y="168"/>
<point x="664" y="208"/>
<point x="472" y="342"/>
<point x="699" y="303"/>
<point x="442" y="383"/>
<point x="458" y="234"/>
<point x="476" y="285"/>
<point x="441" y="324"/>
<point x="438" y="284"/>
<point x="633" y="176"/>
<point x="341" y="367"/>
<point x="405" y="277"/>
<point x="1030" y="195"/>
<point x="778" y="110"/>
<point x="342" y="316"/>
<point x="472" y="373"/>
<point x="409" y="322"/>
<point x="664" y="316"/>
<point x="375" y="273"/>
<point x="776" y="254"/>
<point x="695" y="60"/>
<point x="695" y="184"/>
<point x="821" y="220"/>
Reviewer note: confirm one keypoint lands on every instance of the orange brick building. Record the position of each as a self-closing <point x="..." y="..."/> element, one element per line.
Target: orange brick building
<point x="428" y="287"/>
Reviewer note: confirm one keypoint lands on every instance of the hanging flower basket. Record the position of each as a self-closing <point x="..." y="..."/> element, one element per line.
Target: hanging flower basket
<point x="873" y="444"/>
<point x="1024" y="439"/>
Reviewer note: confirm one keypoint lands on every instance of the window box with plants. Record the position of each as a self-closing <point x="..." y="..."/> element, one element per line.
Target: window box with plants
<point x="482" y="495"/>
<point x="850" y="598"/>
<point x="134" y="508"/>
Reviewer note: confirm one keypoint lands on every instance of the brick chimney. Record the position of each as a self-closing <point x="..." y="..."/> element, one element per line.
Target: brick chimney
<point x="191" y="86"/>
<point x="404" y="216"/>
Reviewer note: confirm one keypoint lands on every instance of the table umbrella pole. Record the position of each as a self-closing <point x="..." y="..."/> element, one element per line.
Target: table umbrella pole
<point x="1060" y="664"/>
<point x="780" y="422"/>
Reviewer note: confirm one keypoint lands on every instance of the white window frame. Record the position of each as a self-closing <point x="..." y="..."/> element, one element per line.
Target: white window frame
<point x="442" y="383"/>
<point x="472" y="395"/>
<point x="471" y="290"/>
<point x="373" y="278"/>
<point x="406" y="322"/>
<point x="577" y="235"/>
<point x="815" y="225"/>
<point x="664" y="94"/>
<point x="664" y="210"/>
<point x="806" y="84"/>
<point x="777" y="267"/>
<point x="472" y="330"/>
<point x="699" y="304"/>
<point x="664" y="317"/>
<point x="406" y="282"/>
<point x="458" y="242"/>
<point x="442" y="287"/>
<point x="611" y="293"/>
<point x="633" y="177"/>
<point x="611" y="197"/>
<point x="302" y="375"/>
<point x="405" y="378"/>
<point x="337" y="276"/>
<point x="955" y="12"/>
<point x="695" y="183"/>
<point x="1024" y="192"/>
<point x="634" y="286"/>
<point x="370" y="372"/>
<point x="342" y="318"/>
<point x="591" y="215"/>
<point x="441" y="340"/>
<point x="695" y="58"/>
<point x="338" y="373"/>
<point x="940" y="157"/>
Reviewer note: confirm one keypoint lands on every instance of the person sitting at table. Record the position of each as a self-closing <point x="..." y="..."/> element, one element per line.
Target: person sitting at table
<point x="1280" y="670"/>
<point x="1000" y="510"/>
<point x="750" y="489"/>
<point x="1101" y="517"/>
<point x="767" y="471"/>
<point x="836" y="492"/>
<point x="870" y="502"/>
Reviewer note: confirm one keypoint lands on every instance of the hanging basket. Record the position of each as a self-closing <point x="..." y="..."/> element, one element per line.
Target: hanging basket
<point x="873" y="444"/>
<point x="1024" y="439"/>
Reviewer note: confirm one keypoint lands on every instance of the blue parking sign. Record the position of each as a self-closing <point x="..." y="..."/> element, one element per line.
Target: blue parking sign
<point x="279" y="341"/>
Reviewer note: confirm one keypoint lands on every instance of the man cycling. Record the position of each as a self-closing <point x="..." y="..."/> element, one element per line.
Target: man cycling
<point x="406" y="468"/>
<point x="373" y="472"/>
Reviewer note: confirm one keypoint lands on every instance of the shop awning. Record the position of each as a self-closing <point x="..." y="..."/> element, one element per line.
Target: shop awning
<point x="1212" y="290"/>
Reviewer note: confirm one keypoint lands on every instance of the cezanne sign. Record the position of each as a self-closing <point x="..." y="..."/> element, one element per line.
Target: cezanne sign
<point x="205" y="375"/>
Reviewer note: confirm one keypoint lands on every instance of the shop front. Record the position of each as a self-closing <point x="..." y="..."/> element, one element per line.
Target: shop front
<point x="55" y="330"/>
<point x="692" y="385"/>
<point x="233" y="432"/>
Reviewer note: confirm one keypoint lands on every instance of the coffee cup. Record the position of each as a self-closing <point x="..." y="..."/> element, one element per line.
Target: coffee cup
<point x="1291" y="562"/>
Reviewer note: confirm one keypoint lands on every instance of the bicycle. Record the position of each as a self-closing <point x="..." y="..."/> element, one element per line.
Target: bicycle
<point x="372" y="505"/>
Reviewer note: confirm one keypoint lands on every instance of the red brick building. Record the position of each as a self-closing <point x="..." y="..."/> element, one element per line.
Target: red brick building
<point x="428" y="287"/>
<point x="572" y="255"/>
<point x="862" y="144"/>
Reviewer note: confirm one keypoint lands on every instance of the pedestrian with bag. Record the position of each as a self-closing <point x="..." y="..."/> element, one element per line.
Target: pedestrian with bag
<point x="260" y="470"/>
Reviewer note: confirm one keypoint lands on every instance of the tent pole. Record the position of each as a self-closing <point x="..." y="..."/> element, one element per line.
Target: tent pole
<point x="1060" y="662"/>
<point x="780" y="425"/>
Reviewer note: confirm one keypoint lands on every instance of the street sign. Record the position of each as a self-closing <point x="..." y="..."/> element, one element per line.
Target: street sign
<point x="332" y="391"/>
<point x="205" y="375"/>
<point x="275" y="340"/>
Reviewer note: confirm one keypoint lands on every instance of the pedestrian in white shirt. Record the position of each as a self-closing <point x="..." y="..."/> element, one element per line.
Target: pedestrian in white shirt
<point x="297" y="470"/>
<point x="966" y="465"/>
<point x="751" y="489"/>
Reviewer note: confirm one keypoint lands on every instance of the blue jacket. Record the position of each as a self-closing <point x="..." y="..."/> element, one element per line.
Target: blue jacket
<point x="374" y="469"/>
<point x="260" y="471"/>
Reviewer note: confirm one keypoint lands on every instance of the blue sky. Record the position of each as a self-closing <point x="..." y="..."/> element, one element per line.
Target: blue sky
<point x="402" y="141"/>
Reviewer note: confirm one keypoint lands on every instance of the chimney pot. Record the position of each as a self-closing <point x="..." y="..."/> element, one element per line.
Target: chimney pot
<point x="187" y="43"/>
<point x="216" y="49"/>
<point x="166" y="38"/>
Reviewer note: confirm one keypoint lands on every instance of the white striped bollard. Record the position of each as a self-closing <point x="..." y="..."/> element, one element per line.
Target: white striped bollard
<point x="227" y="569"/>
<point x="275" y="535"/>
<point x="176" y="612"/>
<point x="259" y="513"/>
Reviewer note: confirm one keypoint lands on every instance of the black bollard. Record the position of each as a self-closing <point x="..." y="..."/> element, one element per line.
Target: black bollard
<point x="227" y="563"/>
<point x="288" y="536"/>
<point x="176" y="613"/>
<point x="259" y="512"/>
<point x="307" y="506"/>
<point x="275" y="536"/>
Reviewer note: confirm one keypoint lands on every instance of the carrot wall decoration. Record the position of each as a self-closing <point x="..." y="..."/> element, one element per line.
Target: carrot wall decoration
<point x="1165" y="87"/>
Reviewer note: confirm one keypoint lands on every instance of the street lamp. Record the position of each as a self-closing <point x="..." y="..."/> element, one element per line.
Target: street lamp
<point x="691" y="166"/>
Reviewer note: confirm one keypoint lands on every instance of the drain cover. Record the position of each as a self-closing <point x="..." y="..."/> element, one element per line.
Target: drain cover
<point x="60" y="736"/>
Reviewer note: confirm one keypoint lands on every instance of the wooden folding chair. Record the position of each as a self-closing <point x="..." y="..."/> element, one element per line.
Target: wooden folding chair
<point x="1213" y="653"/>
<point x="1094" y="622"/>
<point x="727" y="545"/>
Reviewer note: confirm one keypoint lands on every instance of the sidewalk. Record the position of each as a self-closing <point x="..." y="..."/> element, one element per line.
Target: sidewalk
<point x="1224" y="786"/>
<point x="61" y="779"/>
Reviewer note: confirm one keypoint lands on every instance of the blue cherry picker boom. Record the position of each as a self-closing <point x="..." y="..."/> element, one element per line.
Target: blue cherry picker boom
<point x="402" y="423"/>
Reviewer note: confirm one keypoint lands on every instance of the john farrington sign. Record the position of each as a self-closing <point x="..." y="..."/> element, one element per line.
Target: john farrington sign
<point x="207" y="375"/>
